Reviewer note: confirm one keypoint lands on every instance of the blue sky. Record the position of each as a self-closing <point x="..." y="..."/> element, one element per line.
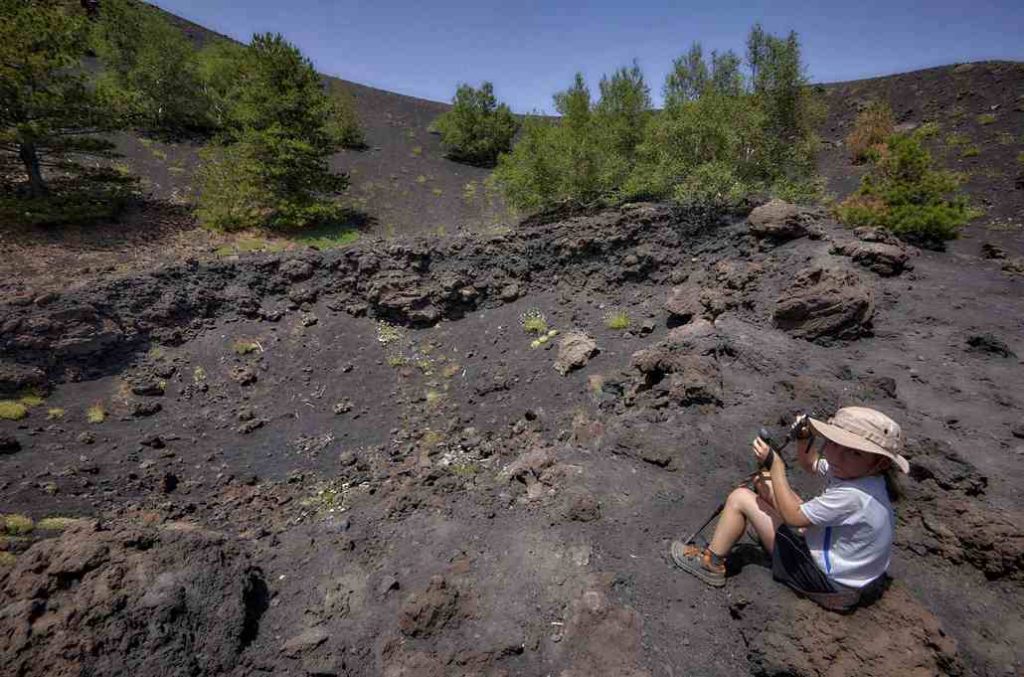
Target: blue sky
<point x="530" y="50"/>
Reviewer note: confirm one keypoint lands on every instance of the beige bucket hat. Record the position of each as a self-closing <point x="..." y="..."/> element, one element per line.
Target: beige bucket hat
<point x="865" y="430"/>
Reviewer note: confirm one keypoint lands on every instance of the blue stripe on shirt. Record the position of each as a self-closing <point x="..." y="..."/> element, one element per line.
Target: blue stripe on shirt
<point x="828" y="545"/>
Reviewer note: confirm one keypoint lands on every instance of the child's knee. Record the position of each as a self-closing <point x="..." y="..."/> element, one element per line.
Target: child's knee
<point x="740" y="497"/>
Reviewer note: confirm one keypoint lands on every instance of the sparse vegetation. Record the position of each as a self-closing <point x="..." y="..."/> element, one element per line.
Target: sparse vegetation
<point x="11" y="410"/>
<point x="971" y="150"/>
<point x="617" y="320"/>
<point x="17" y="525"/>
<point x="244" y="347"/>
<point x="56" y="523"/>
<point x="477" y="128"/>
<point x="388" y="333"/>
<point x="955" y="140"/>
<point x="97" y="413"/>
<point x="198" y="375"/>
<point x="54" y="414"/>
<point x="7" y="559"/>
<point x="872" y="127"/>
<point x="343" y="122"/>
<point x="929" y="130"/>
<point x="533" y="321"/>
<point x="31" y="399"/>
<point x="986" y="119"/>
<point x="904" y="193"/>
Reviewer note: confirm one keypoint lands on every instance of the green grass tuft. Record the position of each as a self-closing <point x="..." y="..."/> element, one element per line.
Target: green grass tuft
<point x="57" y="523"/>
<point x="533" y="321"/>
<point x="986" y="119"/>
<point x="243" y="347"/>
<point x="97" y="413"/>
<point x="17" y="525"/>
<point x="54" y="414"/>
<point x="617" y="320"/>
<point x="12" y="411"/>
<point x="327" y="236"/>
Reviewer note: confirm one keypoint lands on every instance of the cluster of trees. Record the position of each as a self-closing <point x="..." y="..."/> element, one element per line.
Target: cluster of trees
<point x="262" y="107"/>
<point x="725" y="131"/>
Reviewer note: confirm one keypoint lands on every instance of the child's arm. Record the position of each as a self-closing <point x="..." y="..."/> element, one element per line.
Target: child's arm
<point x="786" y="500"/>
<point x="806" y="455"/>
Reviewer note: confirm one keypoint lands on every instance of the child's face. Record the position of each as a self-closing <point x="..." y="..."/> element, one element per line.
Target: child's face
<point x="849" y="464"/>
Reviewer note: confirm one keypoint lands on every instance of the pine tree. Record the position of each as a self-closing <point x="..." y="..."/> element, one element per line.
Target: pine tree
<point x="49" y="116"/>
<point x="151" y="73"/>
<point x="477" y="128"/>
<point x="272" y="167"/>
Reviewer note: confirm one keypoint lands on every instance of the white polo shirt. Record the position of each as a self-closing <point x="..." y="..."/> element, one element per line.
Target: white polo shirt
<point x="851" y="528"/>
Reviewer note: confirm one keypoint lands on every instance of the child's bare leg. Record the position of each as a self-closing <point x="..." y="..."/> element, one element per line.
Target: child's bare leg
<point x="744" y="506"/>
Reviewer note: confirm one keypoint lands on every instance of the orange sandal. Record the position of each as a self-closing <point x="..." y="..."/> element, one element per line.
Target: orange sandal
<point x="696" y="560"/>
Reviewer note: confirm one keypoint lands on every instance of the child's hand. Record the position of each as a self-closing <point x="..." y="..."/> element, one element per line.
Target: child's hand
<point x="761" y="450"/>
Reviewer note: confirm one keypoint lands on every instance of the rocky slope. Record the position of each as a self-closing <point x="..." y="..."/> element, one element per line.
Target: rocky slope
<point x="355" y="462"/>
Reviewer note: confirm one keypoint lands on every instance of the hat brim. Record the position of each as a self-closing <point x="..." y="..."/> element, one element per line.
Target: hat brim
<point x="847" y="439"/>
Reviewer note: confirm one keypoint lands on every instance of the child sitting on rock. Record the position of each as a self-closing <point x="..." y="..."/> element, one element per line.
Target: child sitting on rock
<point x="833" y="549"/>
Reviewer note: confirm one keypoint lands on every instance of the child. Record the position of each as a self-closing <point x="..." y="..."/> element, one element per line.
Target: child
<point x="833" y="549"/>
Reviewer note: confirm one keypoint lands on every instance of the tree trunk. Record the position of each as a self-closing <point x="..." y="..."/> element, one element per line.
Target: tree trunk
<point x="36" y="185"/>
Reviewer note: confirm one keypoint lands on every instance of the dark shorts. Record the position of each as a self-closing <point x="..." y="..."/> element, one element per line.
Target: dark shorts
<point x="793" y="565"/>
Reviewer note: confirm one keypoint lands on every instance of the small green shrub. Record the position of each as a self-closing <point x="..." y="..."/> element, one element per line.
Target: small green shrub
<point x="388" y="333"/>
<point x="1020" y="159"/>
<point x="7" y="560"/>
<point x="54" y="414"/>
<point x="97" y="413"/>
<point x="970" y="151"/>
<point x="986" y="119"/>
<point x="17" y="525"/>
<point x="955" y="139"/>
<point x="12" y="411"/>
<point x="57" y="523"/>
<point x="243" y="347"/>
<point x="617" y="320"/>
<point x="533" y="321"/>
<point x="929" y="130"/>
<point x="343" y="121"/>
<point x="872" y="127"/>
<point x="904" y="193"/>
<point x="477" y="129"/>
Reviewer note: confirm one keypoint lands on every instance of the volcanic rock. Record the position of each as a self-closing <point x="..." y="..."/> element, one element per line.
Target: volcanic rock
<point x="777" y="220"/>
<point x="296" y="270"/>
<point x="894" y="636"/>
<point x="574" y="351"/>
<point x="684" y="302"/>
<point x="885" y="259"/>
<point x="190" y="601"/>
<point x="9" y="444"/>
<point x="988" y="344"/>
<point x="304" y="642"/>
<point x="825" y="303"/>
<point x="426" y="612"/>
